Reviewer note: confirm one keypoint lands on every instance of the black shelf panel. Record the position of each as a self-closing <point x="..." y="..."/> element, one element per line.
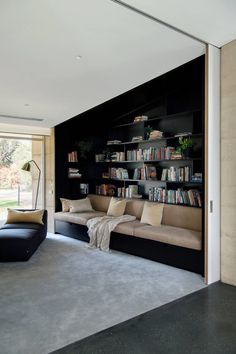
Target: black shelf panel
<point x="151" y="119"/>
<point x="151" y="161"/>
<point x="199" y="135"/>
<point x="146" y="180"/>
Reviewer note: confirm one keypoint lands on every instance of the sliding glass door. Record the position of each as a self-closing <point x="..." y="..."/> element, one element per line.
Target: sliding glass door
<point x="17" y="187"/>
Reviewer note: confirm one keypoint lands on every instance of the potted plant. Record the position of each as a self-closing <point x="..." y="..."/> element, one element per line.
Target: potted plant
<point x="186" y="146"/>
<point x="84" y="147"/>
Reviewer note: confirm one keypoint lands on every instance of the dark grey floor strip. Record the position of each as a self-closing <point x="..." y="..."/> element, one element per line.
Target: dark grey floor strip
<point x="202" y="322"/>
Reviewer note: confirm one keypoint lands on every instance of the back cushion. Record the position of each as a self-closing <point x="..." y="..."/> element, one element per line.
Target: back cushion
<point x="99" y="202"/>
<point x="182" y="216"/>
<point x="134" y="207"/>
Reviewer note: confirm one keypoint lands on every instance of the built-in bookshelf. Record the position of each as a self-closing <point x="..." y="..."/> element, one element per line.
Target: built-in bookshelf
<point x="172" y="105"/>
<point x="159" y="171"/>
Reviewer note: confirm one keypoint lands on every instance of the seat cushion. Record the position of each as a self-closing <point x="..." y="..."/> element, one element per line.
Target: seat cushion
<point x="171" y="235"/>
<point x="128" y="228"/>
<point x="182" y="217"/>
<point x="78" y="218"/>
<point x="23" y="234"/>
<point x="22" y="225"/>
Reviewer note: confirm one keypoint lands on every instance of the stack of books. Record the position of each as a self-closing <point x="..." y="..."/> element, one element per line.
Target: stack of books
<point x="196" y="177"/>
<point x="113" y="142"/>
<point x="74" y="173"/>
<point x="155" y="134"/>
<point x="140" y="119"/>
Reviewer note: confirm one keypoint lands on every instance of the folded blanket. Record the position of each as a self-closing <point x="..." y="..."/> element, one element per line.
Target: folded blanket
<point x="100" y="228"/>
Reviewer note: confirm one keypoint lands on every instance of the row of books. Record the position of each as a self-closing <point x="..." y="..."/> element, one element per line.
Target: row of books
<point x="190" y="197"/>
<point x="105" y="189"/>
<point x="175" y="174"/>
<point x="151" y="153"/>
<point x="145" y="173"/>
<point x="118" y="156"/>
<point x="129" y="192"/>
<point x="72" y="156"/>
<point x="120" y="173"/>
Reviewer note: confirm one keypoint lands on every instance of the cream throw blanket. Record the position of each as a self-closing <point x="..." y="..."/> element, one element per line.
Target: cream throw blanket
<point x="100" y="228"/>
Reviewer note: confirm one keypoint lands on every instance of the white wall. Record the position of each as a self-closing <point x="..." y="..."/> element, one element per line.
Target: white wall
<point x="213" y="165"/>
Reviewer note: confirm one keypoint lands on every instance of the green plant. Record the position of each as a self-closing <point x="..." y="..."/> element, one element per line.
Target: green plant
<point x="84" y="147"/>
<point x="147" y="131"/>
<point x="185" y="143"/>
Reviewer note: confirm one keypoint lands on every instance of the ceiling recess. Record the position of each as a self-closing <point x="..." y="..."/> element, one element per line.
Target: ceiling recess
<point x="21" y="118"/>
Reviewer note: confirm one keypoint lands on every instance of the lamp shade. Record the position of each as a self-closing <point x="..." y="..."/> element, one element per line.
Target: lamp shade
<point x="26" y="167"/>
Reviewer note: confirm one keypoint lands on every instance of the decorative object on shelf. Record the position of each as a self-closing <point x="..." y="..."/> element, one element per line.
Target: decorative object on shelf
<point x="155" y="134"/>
<point x="84" y="188"/>
<point x="147" y="132"/>
<point x="197" y="177"/>
<point x="99" y="157"/>
<point x="176" y="155"/>
<point x="186" y="145"/>
<point x="137" y="138"/>
<point x="27" y="167"/>
<point x="111" y="192"/>
<point x="113" y="142"/>
<point x="140" y="119"/>
<point x="84" y="147"/>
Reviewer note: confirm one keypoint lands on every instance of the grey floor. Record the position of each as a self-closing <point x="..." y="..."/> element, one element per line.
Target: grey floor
<point x="67" y="292"/>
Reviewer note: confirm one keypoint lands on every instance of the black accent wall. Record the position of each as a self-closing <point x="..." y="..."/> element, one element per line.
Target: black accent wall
<point x="179" y="90"/>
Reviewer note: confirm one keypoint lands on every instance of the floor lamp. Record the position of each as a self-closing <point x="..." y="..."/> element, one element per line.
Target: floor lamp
<point x="27" y="167"/>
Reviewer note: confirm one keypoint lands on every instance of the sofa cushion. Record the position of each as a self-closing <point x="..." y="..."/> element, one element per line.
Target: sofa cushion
<point x="183" y="217"/>
<point x="134" y="207"/>
<point x="77" y="218"/>
<point x="171" y="235"/>
<point x="18" y="216"/>
<point x="22" y="225"/>
<point x="65" y="204"/>
<point x="128" y="228"/>
<point x="116" y="207"/>
<point x="99" y="202"/>
<point x="152" y="213"/>
<point x="80" y="206"/>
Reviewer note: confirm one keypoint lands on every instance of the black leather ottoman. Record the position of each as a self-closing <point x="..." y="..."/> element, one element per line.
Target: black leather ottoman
<point x="19" y="241"/>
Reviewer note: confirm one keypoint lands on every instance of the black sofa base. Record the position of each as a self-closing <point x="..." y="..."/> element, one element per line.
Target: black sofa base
<point x="180" y="257"/>
<point x="19" y="241"/>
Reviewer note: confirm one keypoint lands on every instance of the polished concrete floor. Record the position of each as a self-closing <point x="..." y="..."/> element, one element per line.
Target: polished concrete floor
<point x="200" y="323"/>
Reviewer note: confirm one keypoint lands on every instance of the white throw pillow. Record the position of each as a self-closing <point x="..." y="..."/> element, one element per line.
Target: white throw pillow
<point x="116" y="207"/>
<point x="152" y="213"/>
<point x="65" y="204"/>
<point x="80" y="205"/>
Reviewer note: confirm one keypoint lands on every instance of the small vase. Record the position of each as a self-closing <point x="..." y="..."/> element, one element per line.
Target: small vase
<point x="187" y="152"/>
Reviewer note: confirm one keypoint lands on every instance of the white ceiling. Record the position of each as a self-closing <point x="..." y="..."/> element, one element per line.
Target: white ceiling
<point x="40" y="40"/>
<point x="213" y="21"/>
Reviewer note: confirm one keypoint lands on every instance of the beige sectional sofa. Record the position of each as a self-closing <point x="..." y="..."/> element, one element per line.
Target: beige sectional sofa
<point x="179" y="237"/>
